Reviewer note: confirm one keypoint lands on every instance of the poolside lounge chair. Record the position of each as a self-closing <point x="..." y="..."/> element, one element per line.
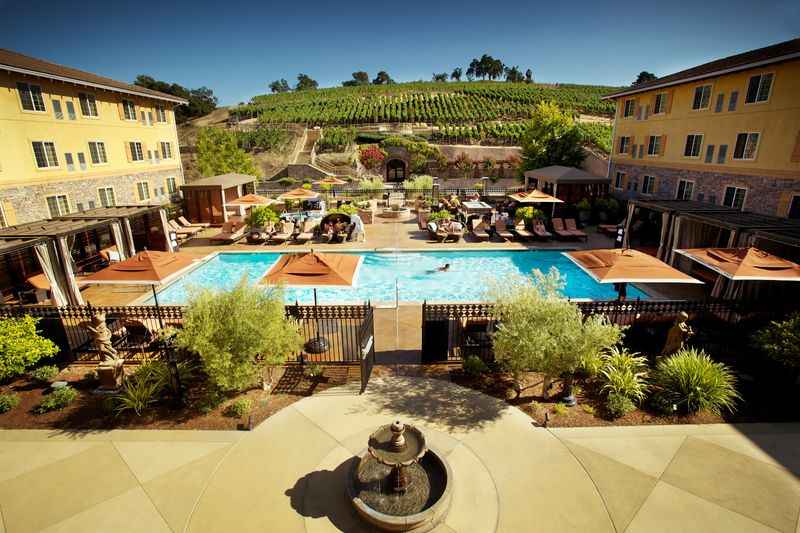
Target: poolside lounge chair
<point x="231" y="232"/>
<point x="443" y="233"/>
<point x="479" y="229"/>
<point x="540" y="231"/>
<point x="572" y="227"/>
<point x="521" y="231"/>
<point x="501" y="230"/>
<point x="307" y="232"/>
<point x="177" y="228"/>
<point x="283" y="234"/>
<point x="186" y="224"/>
<point x="560" y="230"/>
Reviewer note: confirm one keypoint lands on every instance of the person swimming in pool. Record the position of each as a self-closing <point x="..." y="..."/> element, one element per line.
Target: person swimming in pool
<point x="444" y="268"/>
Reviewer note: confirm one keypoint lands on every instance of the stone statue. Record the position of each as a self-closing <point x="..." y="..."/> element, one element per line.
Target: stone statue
<point x="678" y="334"/>
<point x="109" y="370"/>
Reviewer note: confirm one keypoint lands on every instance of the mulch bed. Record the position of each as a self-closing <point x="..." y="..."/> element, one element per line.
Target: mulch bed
<point x="88" y="411"/>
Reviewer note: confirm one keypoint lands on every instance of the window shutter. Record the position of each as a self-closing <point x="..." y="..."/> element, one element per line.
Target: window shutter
<point x="144" y="150"/>
<point x="632" y="146"/>
<point x="668" y="101"/>
<point x="720" y="103"/>
<point x="663" y="147"/>
<point x="121" y="111"/>
<point x="646" y="111"/>
<point x="128" y="151"/>
<point x="796" y="152"/>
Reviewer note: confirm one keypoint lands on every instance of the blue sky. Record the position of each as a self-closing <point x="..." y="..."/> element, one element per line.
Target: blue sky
<point x="237" y="48"/>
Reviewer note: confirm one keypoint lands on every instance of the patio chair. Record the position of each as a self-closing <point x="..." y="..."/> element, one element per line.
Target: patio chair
<point x="502" y="231"/>
<point x="307" y="232"/>
<point x="572" y="227"/>
<point x="456" y="232"/>
<point x="479" y="229"/>
<point x="231" y="232"/>
<point x="186" y="224"/>
<point x="521" y="231"/>
<point x="560" y="230"/>
<point x="283" y="234"/>
<point x="177" y="228"/>
<point x="540" y="231"/>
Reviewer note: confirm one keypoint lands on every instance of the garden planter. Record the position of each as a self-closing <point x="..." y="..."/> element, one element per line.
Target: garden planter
<point x="110" y="373"/>
<point x="366" y="215"/>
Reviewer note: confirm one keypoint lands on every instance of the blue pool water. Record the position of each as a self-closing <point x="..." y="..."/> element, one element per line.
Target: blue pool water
<point x="414" y="272"/>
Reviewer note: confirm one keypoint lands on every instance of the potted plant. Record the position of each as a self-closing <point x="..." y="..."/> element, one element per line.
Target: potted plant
<point x="601" y="210"/>
<point x="584" y="210"/>
<point x="365" y="211"/>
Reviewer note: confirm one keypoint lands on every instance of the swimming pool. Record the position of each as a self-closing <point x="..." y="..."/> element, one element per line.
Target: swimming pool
<point x="413" y="272"/>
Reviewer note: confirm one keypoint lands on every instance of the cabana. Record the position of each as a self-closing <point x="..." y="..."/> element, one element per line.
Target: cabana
<point x="21" y="274"/>
<point x="568" y="184"/>
<point x="206" y="200"/>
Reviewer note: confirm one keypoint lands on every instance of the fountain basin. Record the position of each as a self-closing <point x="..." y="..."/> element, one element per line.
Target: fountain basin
<point x="420" y="509"/>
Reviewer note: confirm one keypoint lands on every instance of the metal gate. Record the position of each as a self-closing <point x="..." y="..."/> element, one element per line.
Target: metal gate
<point x="366" y="336"/>
<point x="452" y="332"/>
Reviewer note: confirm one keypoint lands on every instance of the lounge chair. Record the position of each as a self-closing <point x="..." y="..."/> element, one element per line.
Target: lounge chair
<point x="479" y="229"/>
<point x="231" y="232"/>
<point x="177" y="228"/>
<point x="307" y="232"/>
<point x="501" y="230"/>
<point x="521" y="231"/>
<point x="442" y="233"/>
<point x="283" y="234"/>
<point x="560" y="230"/>
<point x="456" y="234"/>
<point x="186" y="224"/>
<point x="572" y="227"/>
<point x="540" y="231"/>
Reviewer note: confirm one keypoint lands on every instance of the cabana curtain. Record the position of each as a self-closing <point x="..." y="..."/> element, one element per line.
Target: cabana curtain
<point x="129" y="236"/>
<point x="165" y="229"/>
<point x="116" y="233"/>
<point x="73" y="292"/>
<point x="665" y="229"/>
<point x="628" y="221"/>
<point x="47" y="259"/>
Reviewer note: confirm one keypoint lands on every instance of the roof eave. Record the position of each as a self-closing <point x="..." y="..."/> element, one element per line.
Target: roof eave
<point x="712" y="74"/>
<point x="67" y="79"/>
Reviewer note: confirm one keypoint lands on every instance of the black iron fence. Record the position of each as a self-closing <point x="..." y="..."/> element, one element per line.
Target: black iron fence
<point x="359" y="194"/>
<point x="331" y="333"/>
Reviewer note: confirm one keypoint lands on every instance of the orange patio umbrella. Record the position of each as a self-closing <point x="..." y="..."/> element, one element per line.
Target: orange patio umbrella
<point x="534" y="197"/>
<point x="314" y="268"/>
<point x="331" y="180"/>
<point x="744" y="264"/>
<point x="249" y="200"/>
<point x="622" y="266"/>
<point x="299" y="194"/>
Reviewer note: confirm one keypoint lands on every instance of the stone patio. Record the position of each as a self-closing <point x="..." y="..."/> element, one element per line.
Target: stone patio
<point x="287" y="474"/>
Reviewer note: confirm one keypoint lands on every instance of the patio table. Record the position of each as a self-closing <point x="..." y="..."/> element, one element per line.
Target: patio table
<point x="476" y="208"/>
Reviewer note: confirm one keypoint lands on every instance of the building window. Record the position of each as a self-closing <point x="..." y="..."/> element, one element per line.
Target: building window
<point x="618" y="180"/>
<point x="97" y="151"/>
<point x="734" y="197"/>
<point x="648" y="185"/>
<point x="654" y="145"/>
<point x="702" y="96"/>
<point x="45" y="154"/>
<point x="70" y="162"/>
<point x="143" y="116"/>
<point x="143" y="190"/>
<point x="106" y="195"/>
<point x="629" y="108"/>
<point x="149" y="118"/>
<point x="660" y="105"/>
<point x="693" y="144"/>
<point x="746" y="146"/>
<point x="624" y="144"/>
<point x="641" y="151"/>
<point x="794" y="208"/>
<point x="723" y="152"/>
<point x="734" y="98"/>
<point x="758" y="88"/>
<point x="82" y="160"/>
<point x="161" y="114"/>
<point x="58" y="205"/>
<point x="685" y="189"/>
<point x="88" y="105"/>
<point x="71" y="110"/>
<point x="166" y="150"/>
<point x="720" y="103"/>
<point x="710" y="153"/>
<point x="57" y="111"/>
<point x="171" y="186"/>
<point x="137" y="154"/>
<point x="31" y="97"/>
<point x="128" y="110"/>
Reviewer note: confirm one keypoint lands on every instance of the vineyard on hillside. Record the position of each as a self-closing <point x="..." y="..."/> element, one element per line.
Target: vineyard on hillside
<point x="435" y="103"/>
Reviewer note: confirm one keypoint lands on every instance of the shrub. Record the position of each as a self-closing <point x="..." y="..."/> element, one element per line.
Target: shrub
<point x="138" y="394"/>
<point x="373" y="184"/>
<point x="287" y="182"/>
<point x="21" y="346"/>
<point x="780" y="341"/>
<point x="336" y="138"/>
<point x="619" y="405"/>
<point x="584" y="205"/>
<point x="623" y="375"/>
<point x="437" y="216"/>
<point x="560" y="409"/>
<point x="8" y="402"/>
<point x="314" y="370"/>
<point x="371" y="157"/>
<point x="57" y="400"/>
<point x="44" y="373"/>
<point x="692" y="381"/>
<point x="239" y="334"/>
<point x="528" y="213"/>
<point x="261" y="215"/>
<point x="344" y="209"/>
<point x="474" y="366"/>
<point x="588" y="409"/>
<point x="239" y="408"/>
<point x="420" y="182"/>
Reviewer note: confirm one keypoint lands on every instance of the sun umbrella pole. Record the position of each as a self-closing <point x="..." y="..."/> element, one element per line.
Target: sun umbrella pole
<point x="158" y="309"/>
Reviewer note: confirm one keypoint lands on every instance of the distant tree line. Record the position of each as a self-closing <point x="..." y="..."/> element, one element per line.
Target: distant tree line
<point x="201" y="100"/>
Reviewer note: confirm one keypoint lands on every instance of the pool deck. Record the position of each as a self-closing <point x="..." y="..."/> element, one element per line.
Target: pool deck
<point x="383" y="235"/>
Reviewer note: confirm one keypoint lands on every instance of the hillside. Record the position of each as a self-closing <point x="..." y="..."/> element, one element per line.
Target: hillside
<point x="431" y="102"/>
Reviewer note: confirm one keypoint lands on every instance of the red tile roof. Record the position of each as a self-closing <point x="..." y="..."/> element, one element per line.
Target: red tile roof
<point x="761" y="56"/>
<point x="17" y="62"/>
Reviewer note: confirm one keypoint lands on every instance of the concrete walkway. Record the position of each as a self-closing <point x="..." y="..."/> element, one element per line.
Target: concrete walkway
<point x="287" y="475"/>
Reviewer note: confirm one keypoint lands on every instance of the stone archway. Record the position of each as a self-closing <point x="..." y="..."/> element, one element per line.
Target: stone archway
<point x="395" y="170"/>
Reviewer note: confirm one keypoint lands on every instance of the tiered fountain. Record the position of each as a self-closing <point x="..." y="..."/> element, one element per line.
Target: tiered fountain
<point x="400" y="484"/>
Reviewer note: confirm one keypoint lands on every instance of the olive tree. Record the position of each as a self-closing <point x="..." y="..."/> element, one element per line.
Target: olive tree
<point x="539" y="330"/>
<point x="241" y="335"/>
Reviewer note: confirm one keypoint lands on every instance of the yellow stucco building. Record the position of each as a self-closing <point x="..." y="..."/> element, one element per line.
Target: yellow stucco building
<point x="725" y="132"/>
<point x="71" y="140"/>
